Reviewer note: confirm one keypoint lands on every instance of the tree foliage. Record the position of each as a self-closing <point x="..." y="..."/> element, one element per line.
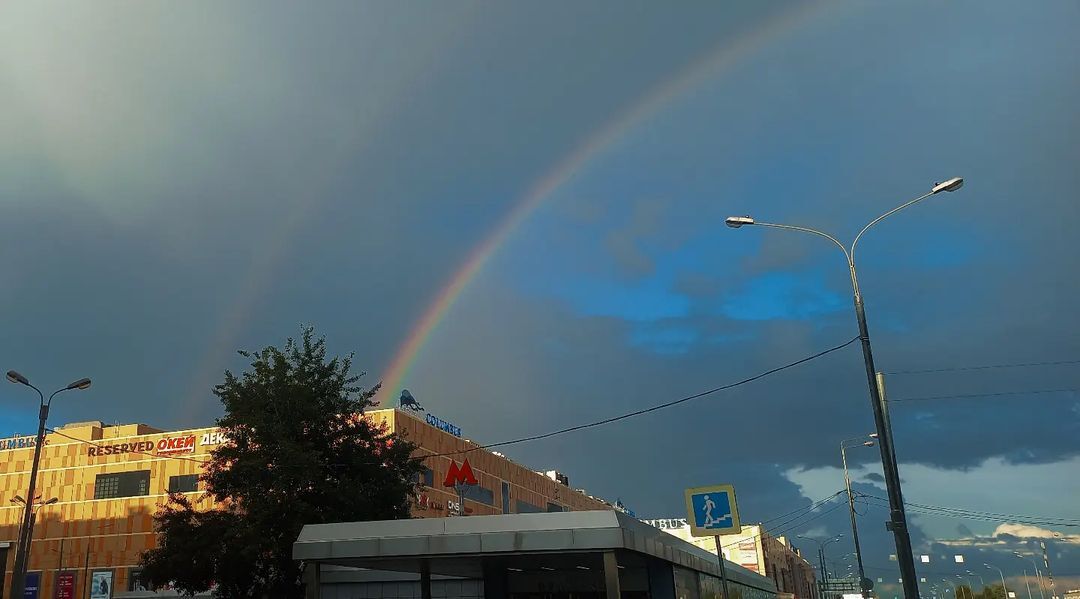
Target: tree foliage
<point x="298" y="452"/>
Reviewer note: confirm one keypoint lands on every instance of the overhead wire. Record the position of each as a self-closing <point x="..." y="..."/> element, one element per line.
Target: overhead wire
<point x="587" y="425"/>
<point x="655" y="408"/>
<point x="964" y="514"/>
<point x="971" y="395"/>
<point x="984" y="367"/>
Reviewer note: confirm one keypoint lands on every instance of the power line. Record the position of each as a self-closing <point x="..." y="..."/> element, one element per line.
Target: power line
<point x="788" y="525"/>
<point x="809" y="508"/>
<point x="985" y="367"/>
<point x="593" y="424"/>
<point x="997" y="394"/>
<point x="973" y="514"/>
<point x="653" y="408"/>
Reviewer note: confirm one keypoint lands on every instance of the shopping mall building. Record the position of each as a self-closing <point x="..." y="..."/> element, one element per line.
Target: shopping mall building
<point x="110" y="480"/>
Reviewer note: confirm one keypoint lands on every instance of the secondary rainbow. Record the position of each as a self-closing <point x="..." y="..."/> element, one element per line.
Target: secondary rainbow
<point x="710" y="65"/>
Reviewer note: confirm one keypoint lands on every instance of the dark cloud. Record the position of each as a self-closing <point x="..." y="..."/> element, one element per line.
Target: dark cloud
<point x="309" y="166"/>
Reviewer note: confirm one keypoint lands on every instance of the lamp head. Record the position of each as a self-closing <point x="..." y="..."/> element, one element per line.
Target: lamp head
<point x="15" y="377"/>
<point x="51" y="501"/>
<point x="80" y="384"/>
<point x="949" y="185"/>
<point x="868" y="444"/>
<point x="737" y="221"/>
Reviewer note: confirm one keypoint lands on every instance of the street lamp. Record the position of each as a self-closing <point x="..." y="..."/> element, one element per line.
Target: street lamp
<point x="851" y="509"/>
<point x="1038" y="574"/>
<point x="1003" y="587"/>
<point x="981" y="581"/>
<point x="22" y="551"/>
<point x="897" y="518"/>
<point x="821" y="557"/>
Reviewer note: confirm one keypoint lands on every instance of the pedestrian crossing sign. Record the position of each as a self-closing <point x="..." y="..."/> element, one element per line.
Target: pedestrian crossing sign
<point x="712" y="511"/>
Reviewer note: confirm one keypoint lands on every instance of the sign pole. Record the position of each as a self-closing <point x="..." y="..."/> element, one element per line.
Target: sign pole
<point x="723" y="568"/>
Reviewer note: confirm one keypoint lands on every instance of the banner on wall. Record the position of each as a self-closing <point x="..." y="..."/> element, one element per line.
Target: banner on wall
<point x="31" y="584"/>
<point x="101" y="584"/>
<point x="65" y="586"/>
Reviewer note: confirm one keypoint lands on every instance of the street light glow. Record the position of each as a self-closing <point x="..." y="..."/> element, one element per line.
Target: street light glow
<point x="950" y="185"/>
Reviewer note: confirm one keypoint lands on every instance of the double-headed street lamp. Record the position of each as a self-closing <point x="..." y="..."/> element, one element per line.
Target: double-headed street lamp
<point x="821" y="557"/>
<point x="34" y="509"/>
<point x="864" y="442"/>
<point x="1038" y="574"/>
<point x="22" y="551"/>
<point x="897" y="518"/>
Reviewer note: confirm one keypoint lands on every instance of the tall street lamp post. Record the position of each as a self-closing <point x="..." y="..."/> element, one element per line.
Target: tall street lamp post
<point x="1002" y="574"/>
<point x="22" y="551"/>
<point x="821" y="556"/>
<point x="897" y="518"/>
<point x="1038" y="574"/>
<point x="851" y="509"/>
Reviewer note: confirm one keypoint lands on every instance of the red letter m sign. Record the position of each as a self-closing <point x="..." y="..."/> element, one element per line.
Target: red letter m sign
<point x="460" y="476"/>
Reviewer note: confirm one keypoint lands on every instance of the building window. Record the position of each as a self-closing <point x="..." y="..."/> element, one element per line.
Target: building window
<point x="480" y="494"/>
<point x="554" y="507"/>
<point x="426" y="477"/>
<point x="527" y="508"/>
<point x="506" y="497"/>
<point x="122" y="484"/>
<point x="135" y="582"/>
<point x="185" y="483"/>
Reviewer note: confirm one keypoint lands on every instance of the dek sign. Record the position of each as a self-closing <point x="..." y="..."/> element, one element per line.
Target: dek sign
<point x="712" y="511"/>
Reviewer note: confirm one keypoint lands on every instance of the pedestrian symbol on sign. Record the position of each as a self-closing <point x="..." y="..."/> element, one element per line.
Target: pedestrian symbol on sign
<point x="712" y="510"/>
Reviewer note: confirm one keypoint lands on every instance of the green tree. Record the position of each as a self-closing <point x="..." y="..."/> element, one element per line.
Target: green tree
<point x="298" y="452"/>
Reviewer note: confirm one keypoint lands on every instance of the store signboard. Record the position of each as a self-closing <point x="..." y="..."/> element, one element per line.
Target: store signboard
<point x="21" y="442"/>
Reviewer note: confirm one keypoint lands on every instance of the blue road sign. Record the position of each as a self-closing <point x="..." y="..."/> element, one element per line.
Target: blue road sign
<point x="712" y="511"/>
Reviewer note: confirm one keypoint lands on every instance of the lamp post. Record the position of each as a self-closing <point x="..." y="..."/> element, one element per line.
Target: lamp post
<point x="22" y="552"/>
<point x="851" y="509"/>
<point x="1038" y="574"/>
<point x="821" y="558"/>
<point x="1002" y="574"/>
<point x="970" y="594"/>
<point x="897" y="518"/>
<point x="982" y="582"/>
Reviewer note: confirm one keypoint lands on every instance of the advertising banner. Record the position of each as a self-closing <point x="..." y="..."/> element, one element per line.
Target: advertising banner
<point x="31" y="585"/>
<point x="101" y="584"/>
<point x="65" y="586"/>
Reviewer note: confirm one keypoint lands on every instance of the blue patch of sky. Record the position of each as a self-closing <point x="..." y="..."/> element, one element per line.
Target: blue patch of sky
<point x="669" y="340"/>
<point x="782" y="296"/>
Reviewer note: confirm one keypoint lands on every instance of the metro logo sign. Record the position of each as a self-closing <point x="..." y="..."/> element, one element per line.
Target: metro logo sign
<point x="460" y="476"/>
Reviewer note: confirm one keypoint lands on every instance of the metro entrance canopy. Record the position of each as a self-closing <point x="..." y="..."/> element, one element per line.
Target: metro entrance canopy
<point x="587" y="554"/>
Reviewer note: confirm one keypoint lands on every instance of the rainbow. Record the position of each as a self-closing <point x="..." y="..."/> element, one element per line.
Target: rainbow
<point x="710" y="65"/>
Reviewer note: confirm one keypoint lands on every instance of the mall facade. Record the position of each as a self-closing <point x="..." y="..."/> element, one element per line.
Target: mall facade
<point x="109" y="480"/>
